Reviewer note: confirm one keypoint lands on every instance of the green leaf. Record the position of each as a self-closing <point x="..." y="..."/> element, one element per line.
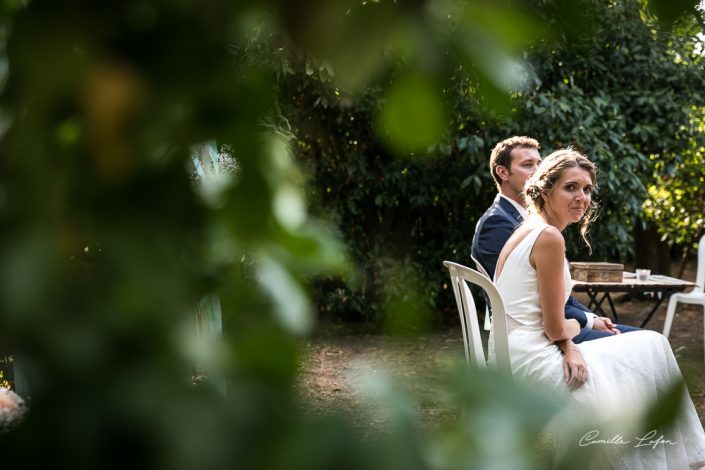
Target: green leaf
<point x="412" y="116"/>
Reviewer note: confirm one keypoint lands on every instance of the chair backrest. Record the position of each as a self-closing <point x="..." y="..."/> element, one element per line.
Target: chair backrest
<point x="474" y="354"/>
<point x="700" y="276"/>
<point x="488" y="316"/>
<point x="480" y="268"/>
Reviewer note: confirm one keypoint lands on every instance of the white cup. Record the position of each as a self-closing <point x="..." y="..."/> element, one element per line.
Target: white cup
<point x="643" y="274"/>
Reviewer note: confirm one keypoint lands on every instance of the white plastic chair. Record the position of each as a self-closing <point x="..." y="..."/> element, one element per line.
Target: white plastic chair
<point x="488" y="318"/>
<point x="694" y="297"/>
<point x="474" y="354"/>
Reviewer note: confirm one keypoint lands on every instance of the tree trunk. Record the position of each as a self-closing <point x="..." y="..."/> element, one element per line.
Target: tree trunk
<point x="650" y="251"/>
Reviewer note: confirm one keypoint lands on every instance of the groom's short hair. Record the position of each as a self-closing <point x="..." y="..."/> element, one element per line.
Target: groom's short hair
<point x="502" y="153"/>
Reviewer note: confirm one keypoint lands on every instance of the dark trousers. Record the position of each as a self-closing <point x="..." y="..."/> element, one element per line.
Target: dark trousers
<point x="589" y="335"/>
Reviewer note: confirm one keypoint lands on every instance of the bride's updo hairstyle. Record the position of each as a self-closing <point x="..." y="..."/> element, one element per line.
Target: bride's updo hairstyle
<point x="549" y="172"/>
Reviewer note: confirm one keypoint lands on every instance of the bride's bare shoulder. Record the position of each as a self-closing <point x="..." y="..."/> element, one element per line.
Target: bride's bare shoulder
<point x="550" y="237"/>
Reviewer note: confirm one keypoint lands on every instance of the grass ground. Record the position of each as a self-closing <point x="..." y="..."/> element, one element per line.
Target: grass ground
<point x="340" y="358"/>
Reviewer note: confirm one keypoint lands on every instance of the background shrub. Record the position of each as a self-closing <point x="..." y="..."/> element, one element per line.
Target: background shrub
<point x="608" y="81"/>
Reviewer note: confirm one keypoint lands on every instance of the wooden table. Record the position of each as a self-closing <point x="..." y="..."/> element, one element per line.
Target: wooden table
<point x="661" y="286"/>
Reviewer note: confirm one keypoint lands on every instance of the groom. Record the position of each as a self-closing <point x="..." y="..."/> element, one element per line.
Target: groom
<point x="512" y="162"/>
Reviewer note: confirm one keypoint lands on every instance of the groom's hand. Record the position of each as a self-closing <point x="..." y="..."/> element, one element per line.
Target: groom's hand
<point x="605" y="324"/>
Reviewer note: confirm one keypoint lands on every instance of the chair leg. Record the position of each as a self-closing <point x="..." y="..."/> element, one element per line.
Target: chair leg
<point x="670" y="313"/>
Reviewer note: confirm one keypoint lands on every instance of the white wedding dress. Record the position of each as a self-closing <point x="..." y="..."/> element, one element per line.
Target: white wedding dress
<point x="626" y="373"/>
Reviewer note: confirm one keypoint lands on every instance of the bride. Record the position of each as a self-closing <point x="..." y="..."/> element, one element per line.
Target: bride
<point x="608" y="376"/>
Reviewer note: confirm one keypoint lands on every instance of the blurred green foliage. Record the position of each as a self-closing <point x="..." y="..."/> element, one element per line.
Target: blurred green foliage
<point x="106" y="245"/>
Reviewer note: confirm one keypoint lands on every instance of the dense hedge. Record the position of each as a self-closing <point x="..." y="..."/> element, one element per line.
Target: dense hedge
<point x="624" y="93"/>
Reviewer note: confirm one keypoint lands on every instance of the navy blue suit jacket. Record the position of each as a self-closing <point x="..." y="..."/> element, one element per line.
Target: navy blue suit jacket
<point x="491" y="233"/>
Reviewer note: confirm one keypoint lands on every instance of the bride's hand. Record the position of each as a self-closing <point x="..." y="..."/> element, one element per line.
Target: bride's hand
<point x="575" y="370"/>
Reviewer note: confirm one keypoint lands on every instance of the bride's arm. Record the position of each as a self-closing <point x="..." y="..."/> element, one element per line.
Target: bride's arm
<point x="548" y="258"/>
